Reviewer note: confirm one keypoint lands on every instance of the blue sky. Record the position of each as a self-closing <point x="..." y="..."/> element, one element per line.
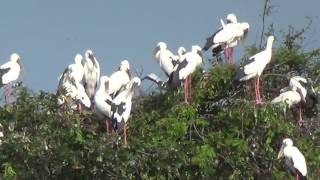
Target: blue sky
<point x="48" y="34"/>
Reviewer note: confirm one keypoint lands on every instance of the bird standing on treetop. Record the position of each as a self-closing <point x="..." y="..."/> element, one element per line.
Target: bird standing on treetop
<point x="167" y="60"/>
<point x="254" y="67"/>
<point x="121" y="107"/>
<point x="91" y="73"/>
<point x="227" y="37"/>
<point x="120" y="78"/>
<point x="10" y="72"/>
<point x="182" y="72"/>
<point x="103" y="101"/>
<point x="70" y="84"/>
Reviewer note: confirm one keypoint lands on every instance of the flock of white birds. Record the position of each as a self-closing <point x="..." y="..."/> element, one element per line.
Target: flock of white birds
<point x="110" y="97"/>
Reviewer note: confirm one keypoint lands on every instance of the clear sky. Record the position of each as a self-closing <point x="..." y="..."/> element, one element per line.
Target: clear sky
<point x="47" y="34"/>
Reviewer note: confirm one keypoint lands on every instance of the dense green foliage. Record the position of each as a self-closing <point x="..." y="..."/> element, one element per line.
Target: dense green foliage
<point x="221" y="135"/>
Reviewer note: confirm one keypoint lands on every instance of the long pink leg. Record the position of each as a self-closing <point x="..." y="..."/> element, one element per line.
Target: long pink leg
<point x="226" y="54"/>
<point x="125" y="134"/>
<point x="300" y="115"/>
<point x="258" y="86"/>
<point x="189" y="88"/>
<point x="297" y="177"/>
<point x="230" y="55"/>
<point x="186" y="90"/>
<point x="80" y="108"/>
<point x="255" y="91"/>
<point x="7" y="93"/>
<point x="107" y="125"/>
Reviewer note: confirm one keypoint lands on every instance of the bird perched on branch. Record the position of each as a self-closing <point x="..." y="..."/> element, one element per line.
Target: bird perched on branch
<point x="254" y="67"/>
<point x="294" y="159"/>
<point x="10" y="72"/>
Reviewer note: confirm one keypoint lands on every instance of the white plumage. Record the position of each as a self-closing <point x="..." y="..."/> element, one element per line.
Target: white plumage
<point x="76" y="69"/>
<point x="102" y="99"/>
<point x="91" y="73"/>
<point x="119" y="78"/>
<point x="75" y="91"/>
<point x="257" y="62"/>
<point x="165" y="57"/>
<point x="254" y="67"/>
<point x="122" y="104"/>
<point x="181" y="51"/>
<point x="123" y="101"/>
<point x="193" y="59"/>
<point x="290" y="97"/>
<point x="10" y="71"/>
<point x="70" y="84"/>
<point x="294" y="159"/>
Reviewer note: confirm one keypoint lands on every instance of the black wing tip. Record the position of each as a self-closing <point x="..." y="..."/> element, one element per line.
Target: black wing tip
<point x="240" y="74"/>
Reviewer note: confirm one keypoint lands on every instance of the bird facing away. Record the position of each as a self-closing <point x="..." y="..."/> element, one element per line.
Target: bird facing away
<point x="91" y="73"/>
<point x="120" y="78"/>
<point x="294" y="159"/>
<point x="167" y="60"/>
<point x="103" y="102"/>
<point x="254" y="67"/>
<point x="77" y="70"/>
<point x="122" y="105"/>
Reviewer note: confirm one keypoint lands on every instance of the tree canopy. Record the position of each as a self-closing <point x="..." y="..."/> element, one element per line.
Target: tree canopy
<point x="222" y="134"/>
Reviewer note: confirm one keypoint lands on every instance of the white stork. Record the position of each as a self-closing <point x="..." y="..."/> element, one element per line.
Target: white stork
<point x="254" y="67"/>
<point x="166" y="58"/>
<point x="10" y="72"/>
<point x="182" y="72"/>
<point x="76" y="92"/>
<point x="298" y="92"/>
<point x="181" y="51"/>
<point x="168" y="62"/>
<point x="70" y="84"/>
<point x="120" y="78"/>
<point x="227" y="37"/>
<point x="91" y="73"/>
<point x="103" y="101"/>
<point x="294" y="159"/>
<point x="122" y="103"/>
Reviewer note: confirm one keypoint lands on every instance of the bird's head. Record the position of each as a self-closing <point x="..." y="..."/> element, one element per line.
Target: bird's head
<point x="231" y="18"/>
<point x="89" y="54"/>
<point x="285" y="143"/>
<point x="197" y="49"/>
<point x="78" y="58"/>
<point x="124" y="65"/>
<point x="104" y="80"/>
<point x="136" y="81"/>
<point x="16" y="58"/>
<point x="181" y="51"/>
<point x="160" y="46"/>
<point x="245" y="27"/>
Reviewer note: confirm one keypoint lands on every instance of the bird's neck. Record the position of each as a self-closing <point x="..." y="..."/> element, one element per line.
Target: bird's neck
<point x="269" y="45"/>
